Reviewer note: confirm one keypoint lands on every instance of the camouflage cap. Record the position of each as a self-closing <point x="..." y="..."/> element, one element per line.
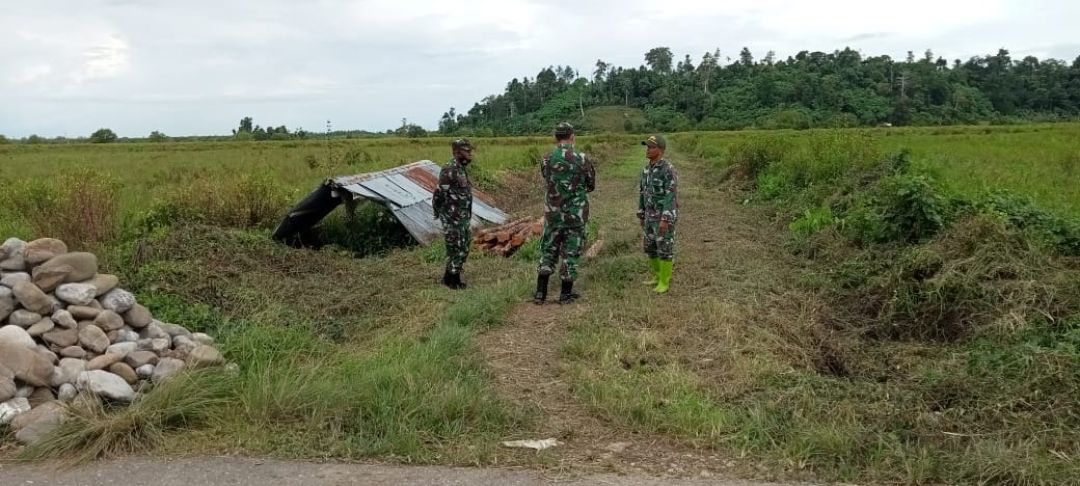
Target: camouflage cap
<point x="461" y="143"/>
<point x="655" y="141"/>
<point x="563" y="130"/>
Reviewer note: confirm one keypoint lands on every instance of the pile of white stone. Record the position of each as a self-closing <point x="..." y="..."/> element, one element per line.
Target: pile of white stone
<point x="67" y="331"/>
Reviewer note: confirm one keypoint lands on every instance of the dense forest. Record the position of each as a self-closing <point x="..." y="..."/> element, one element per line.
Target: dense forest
<point x="811" y="89"/>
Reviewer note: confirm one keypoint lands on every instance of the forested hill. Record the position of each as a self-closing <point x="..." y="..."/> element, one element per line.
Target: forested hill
<point x="811" y="89"/>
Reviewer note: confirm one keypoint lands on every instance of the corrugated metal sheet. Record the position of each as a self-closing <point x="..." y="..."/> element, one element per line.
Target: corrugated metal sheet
<point x="420" y="223"/>
<point x="407" y="191"/>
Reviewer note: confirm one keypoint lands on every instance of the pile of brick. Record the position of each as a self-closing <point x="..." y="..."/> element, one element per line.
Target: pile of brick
<point x="506" y="239"/>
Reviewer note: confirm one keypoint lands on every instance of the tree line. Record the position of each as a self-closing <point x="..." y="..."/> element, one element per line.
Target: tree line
<point x="811" y="89"/>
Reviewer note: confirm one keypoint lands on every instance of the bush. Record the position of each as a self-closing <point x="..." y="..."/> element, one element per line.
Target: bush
<point x="366" y="229"/>
<point x="1062" y="233"/>
<point x="812" y="221"/>
<point x="981" y="271"/>
<point x="913" y="209"/>
<point x="246" y="201"/>
<point x="103" y="135"/>
<point x="750" y="158"/>
<point x="666" y="119"/>
<point x="781" y="167"/>
<point x="358" y="157"/>
<point x="80" y="208"/>
<point x="929" y="267"/>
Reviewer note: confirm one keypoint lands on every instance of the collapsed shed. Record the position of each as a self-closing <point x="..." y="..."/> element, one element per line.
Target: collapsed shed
<point x="406" y="191"/>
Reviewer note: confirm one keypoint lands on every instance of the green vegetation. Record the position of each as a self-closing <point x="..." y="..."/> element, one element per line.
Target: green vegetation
<point x="910" y="335"/>
<point x="842" y="309"/>
<point x="840" y="89"/>
<point x="103" y="135"/>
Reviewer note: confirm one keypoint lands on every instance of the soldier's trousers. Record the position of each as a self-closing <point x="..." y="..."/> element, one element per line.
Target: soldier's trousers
<point x="657" y="245"/>
<point x="458" y="241"/>
<point x="561" y="243"/>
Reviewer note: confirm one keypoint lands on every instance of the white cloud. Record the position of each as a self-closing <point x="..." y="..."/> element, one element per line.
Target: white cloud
<point x="200" y="65"/>
<point x="107" y="59"/>
<point x="31" y="73"/>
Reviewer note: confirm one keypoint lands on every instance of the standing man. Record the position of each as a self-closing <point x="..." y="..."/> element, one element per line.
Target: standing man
<point x="452" y="202"/>
<point x="658" y="210"/>
<point x="569" y="176"/>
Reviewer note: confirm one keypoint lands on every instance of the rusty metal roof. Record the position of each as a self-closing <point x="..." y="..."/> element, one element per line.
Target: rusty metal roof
<point x="407" y="191"/>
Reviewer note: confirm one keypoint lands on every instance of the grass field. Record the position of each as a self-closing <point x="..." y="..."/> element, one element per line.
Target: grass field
<point x="1038" y="161"/>
<point x="801" y="339"/>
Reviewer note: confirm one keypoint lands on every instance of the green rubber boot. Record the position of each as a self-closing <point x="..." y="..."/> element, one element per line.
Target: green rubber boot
<point x="654" y="265"/>
<point x="664" y="276"/>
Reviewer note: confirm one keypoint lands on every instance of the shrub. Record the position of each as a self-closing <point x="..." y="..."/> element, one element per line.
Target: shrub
<point x="812" y="221"/>
<point x="79" y="208"/>
<point x="750" y="158"/>
<point x="103" y="135"/>
<point x="366" y="229"/>
<point x="914" y="209"/>
<point x="245" y="201"/>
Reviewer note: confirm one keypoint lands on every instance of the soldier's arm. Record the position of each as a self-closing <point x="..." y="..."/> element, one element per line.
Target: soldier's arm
<point x="446" y="182"/>
<point x="669" y="203"/>
<point x="590" y="174"/>
<point x="641" y="197"/>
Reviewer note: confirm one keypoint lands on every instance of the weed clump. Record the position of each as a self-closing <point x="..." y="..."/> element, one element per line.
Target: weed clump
<point x="247" y="201"/>
<point x="913" y="262"/>
<point x="80" y="207"/>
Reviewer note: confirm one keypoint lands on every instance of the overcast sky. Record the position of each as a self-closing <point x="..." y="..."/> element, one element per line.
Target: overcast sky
<point x="197" y="66"/>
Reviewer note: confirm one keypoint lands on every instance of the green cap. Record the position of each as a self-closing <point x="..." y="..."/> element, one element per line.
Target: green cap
<point x="461" y="143"/>
<point x="655" y="141"/>
<point x="564" y="129"/>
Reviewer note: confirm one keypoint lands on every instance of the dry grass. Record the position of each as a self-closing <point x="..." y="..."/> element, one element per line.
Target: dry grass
<point x="79" y="208"/>
<point x="94" y="429"/>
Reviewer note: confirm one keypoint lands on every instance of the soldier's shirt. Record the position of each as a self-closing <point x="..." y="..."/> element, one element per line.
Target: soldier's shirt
<point x="452" y="200"/>
<point x="659" y="196"/>
<point x="569" y="177"/>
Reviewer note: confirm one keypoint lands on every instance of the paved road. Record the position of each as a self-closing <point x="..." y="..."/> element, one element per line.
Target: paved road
<point x="215" y="471"/>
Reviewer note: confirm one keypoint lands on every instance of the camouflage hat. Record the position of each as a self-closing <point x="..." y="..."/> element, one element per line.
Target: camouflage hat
<point x="655" y="141"/>
<point x="563" y="130"/>
<point x="461" y="143"/>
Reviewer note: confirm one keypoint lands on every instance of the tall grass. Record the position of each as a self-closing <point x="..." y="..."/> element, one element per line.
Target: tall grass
<point x="94" y="429"/>
<point x="252" y="200"/>
<point x="79" y="208"/>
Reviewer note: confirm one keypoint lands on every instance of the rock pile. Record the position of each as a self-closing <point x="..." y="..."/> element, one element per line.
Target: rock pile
<point x="67" y="330"/>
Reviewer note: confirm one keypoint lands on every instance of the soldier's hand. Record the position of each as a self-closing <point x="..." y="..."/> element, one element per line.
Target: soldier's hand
<point x="664" y="226"/>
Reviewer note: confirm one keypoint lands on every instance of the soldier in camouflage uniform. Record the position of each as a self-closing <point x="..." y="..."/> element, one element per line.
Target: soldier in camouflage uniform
<point x="452" y="202"/>
<point x="569" y="176"/>
<point x="658" y="210"/>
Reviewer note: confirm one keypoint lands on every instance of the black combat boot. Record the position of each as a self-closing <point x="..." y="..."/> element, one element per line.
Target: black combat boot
<point x="453" y="280"/>
<point x="541" y="289"/>
<point x="566" y="294"/>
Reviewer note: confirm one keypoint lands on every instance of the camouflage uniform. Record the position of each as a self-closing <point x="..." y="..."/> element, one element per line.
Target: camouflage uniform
<point x="659" y="202"/>
<point x="453" y="207"/>
<point x="569" y="177"/>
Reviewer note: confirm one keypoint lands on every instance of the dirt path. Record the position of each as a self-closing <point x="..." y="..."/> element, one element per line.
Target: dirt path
<point x="723" y="248"/>
<point x="218" y="471"/>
